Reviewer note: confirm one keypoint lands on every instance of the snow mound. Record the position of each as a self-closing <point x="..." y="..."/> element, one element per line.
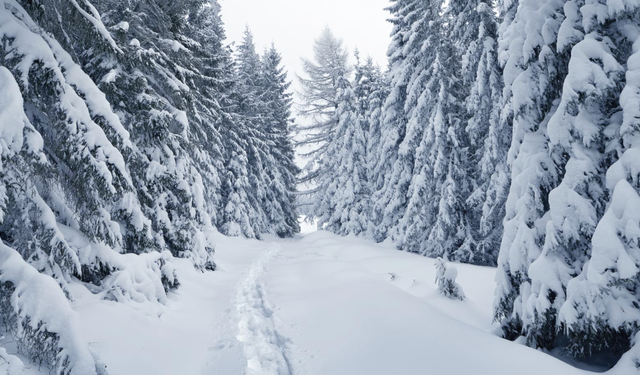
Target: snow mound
<point x="136" y="278"/>
<point x="37" y="313"/>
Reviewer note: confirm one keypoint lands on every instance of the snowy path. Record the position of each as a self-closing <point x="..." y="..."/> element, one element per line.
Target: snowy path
<point x="315" y="305"/>
<point x="264" y="348"/>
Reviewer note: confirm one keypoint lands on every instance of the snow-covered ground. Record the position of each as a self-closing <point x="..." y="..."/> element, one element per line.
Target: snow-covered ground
<point x="318" y="304"/>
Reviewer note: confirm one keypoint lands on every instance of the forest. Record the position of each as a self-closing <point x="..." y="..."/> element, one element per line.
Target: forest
<point x="502" y="139"/>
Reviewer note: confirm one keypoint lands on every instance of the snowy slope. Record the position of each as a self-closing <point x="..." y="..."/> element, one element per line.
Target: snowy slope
<point x="318" y="304"/>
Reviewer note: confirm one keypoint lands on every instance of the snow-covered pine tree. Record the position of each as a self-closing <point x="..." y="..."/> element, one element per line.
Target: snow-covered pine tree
<point x="378" y="92"/>
<point x="63" y="182"/>
<point x="450" y="234"/>
<point x="319" y="92"/>
<point x="533" y="72"/>
<point x="474" y="32"/>
<point x="601" y="312"/>
<point x="85" y="183"/>
<point x="431" y="169"/>
<point x="279" y="123"/>
<point x="577" y="131"/>
<point x="245" y="157"/>
<point x="238" y="205"/>
<point x="154" y="85"/>
<point x="410" y="19"/>
<point x="370" y="92"/>
<point x="343" y="194"/>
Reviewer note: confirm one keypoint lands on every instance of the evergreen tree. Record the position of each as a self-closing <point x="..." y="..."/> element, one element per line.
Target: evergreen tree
<point x="84" y="183"/>
<point x="601" y="311"/>
<point x="319" y="93"/>
<point x="244" y="181"/>
<point x="378" y="92"/>
<point x="450" y="234"/>
<point x="577" y="131"/>
<point x="155" y="85"/>
<point x="278" y="101"/>
<point x="533" y="70"/>
<point x="474" y="32"/>
<point x="342" y="198"/>
<point x="410" y="19"/>
<point x="429" y="184"/>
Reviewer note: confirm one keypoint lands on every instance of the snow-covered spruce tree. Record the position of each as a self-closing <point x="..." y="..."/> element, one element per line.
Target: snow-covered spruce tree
<point x="85" y="184"/>
<point x="451" y="234"/>
<point x="474" y="32"/>
<point x="243" y="205"/>
<point x="378" y="90"/>
<point x="370" y="92"/>
<point x="347" y="210"/>
<point x="410" y="19"/>
<point x="533" y="72"/>
<point x="265" y="105"/>
<point x="238" y="205"/>
<point x="342" y="199"/>
<point x="601" y="312"/>
<point x="577" y="130"/>
<point x="265" y="172"/>
<point x="279" y="123"/>
<point x="319" y="92"/>
<point x="160" y="89"/>
<point x="33" y="308"/>
<point x="431" y="169"/>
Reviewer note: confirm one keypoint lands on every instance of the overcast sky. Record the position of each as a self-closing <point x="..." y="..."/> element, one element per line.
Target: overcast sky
<point x="294" y="24"/>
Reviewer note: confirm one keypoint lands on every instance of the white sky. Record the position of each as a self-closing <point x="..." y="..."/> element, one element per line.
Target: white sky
<point x="294" y="24"/>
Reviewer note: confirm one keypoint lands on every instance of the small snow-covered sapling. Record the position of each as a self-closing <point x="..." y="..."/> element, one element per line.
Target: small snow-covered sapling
<point x="446" y="280"/>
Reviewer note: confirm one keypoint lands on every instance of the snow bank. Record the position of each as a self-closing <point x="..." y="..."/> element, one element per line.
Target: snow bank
<point x="36" y="311"/>
<point x="131" y="277"/>
<point x="141" y="278"/>
<point x="14" y="364"/>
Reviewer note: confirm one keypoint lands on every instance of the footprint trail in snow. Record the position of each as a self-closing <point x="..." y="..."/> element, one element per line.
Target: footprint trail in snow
<point x="264" y="348"/>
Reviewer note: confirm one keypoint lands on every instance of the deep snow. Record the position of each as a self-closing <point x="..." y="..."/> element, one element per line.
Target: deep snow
<point x="318" y="304"/>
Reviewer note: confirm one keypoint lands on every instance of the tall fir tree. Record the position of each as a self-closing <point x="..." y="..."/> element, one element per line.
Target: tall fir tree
<point x="279" y="123"/>
<point x="342" y="199"/>
<point x="601" y="311"/>
<point x="243" y="194"/>
<point x="410" y="21"/>
<point x="153" y="86"/>
<point x="577" y="131"/>
<point x="533" y="71"/>
<point x="475" y="33"/>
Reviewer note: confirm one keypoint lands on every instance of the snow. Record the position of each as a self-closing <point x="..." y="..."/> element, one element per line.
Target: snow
<point x="13" y="364"/>
<point x="94" y="18"/>
<point x="135" y="278"/>
<point x="72" y="82"/>
<point x="41" y="305"/>
<point x="316" y="304"/>
<point x="123" y="26"/>
<point x="12" y="117"/>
